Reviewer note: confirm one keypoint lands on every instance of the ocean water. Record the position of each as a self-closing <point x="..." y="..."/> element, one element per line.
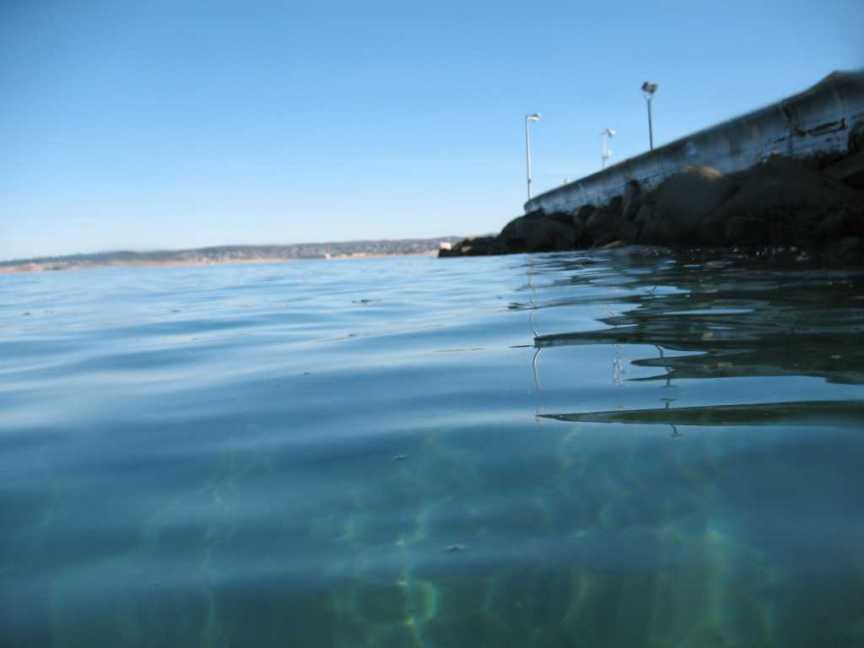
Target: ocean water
<point x="608" y="449"/>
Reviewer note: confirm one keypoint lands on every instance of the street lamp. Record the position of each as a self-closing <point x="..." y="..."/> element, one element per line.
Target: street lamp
<point x="605" y="153"/>
<point x="528" y="119"/>
<point x="648" y="90"/>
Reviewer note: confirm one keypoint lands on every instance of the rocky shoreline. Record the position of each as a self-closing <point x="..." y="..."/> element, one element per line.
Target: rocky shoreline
<point x="815" y="205"/>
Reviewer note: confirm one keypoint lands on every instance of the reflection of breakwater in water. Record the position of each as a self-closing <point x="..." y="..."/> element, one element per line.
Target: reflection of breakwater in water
<point x="250" y="456"/>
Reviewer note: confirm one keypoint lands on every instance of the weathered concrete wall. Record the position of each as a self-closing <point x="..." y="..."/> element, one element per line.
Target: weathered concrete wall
<point x="818" y="120"/>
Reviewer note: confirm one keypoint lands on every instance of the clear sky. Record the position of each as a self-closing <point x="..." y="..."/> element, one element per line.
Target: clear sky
<point x="168" y="123"/>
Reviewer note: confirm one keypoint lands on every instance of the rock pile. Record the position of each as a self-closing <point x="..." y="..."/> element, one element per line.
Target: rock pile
<point x="781" y="202"/>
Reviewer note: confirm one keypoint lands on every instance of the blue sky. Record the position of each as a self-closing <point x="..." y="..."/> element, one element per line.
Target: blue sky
<point x="166" y="124"/>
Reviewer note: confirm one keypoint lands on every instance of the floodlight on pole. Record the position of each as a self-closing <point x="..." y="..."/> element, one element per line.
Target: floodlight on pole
<point x="605" y="153"/>
<point x="648" y="90"/>
<point x="528" y="119"/>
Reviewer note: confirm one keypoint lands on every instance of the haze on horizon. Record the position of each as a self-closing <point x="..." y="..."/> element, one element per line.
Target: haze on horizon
<point x="157" y="126"/>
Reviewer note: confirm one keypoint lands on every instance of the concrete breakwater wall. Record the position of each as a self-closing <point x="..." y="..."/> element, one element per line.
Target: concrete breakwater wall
<point x="827" y="118"/>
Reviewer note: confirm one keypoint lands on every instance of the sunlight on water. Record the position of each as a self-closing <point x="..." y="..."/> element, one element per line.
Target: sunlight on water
<point x="612" y="449"/>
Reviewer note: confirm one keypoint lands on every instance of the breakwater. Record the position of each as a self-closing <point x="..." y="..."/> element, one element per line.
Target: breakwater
<point x="788" y="175"/>
<point x="824" y="119"/>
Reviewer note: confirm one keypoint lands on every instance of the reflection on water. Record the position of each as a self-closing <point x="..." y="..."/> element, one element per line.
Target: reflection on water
<point x="614" y="449"/>
<point x="729" y="321"/>
<point x="799" y="413"/>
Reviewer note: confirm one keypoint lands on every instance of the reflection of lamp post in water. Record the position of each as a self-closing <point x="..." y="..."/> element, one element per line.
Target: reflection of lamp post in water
<point x="668" y="401"/>
<point x="648" y="90"/>
<point x="668" y="368"/>
<point x="528" y="119"/>
<point x="537" y="347"/>
<point x="675" y="433"/>
<point x="605" y="153"/>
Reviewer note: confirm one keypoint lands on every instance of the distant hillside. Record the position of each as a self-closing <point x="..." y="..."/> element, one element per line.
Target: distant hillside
<point x="231" y="254"/>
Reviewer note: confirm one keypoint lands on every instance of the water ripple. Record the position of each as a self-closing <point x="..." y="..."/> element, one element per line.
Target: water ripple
<point x="606" y="449"/>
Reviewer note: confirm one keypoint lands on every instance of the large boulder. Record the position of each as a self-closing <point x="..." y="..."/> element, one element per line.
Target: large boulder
<point x="683" y="203"/>
<point x="856" y="138"/>
<point x="515" y="234"/>
<point x="747" y="231"/>
<point x="632" y="200"/>
<point x="795" y="202"/>
<point x="579" y="220"/>
<point x="848" y="250"/>
<point x="539" y="234"/>
<point x="604" y="224"/>
<point x="583" y="214"/>
<point x="478" y="246"/>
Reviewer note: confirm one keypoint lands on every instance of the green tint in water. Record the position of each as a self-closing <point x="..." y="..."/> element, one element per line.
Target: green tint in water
<point x="616" y="449"/>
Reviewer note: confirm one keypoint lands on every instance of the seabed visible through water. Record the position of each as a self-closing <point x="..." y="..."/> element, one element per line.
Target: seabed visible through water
<point x="606" y="449"/>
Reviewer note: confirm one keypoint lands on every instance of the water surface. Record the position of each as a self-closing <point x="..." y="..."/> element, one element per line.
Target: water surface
<point x="613" y="449"/>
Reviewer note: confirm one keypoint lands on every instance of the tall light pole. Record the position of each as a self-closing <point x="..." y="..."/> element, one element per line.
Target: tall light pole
<point x="528" y="119"/>
<point x="605" y="153"/>
<point x="648" y="90"/>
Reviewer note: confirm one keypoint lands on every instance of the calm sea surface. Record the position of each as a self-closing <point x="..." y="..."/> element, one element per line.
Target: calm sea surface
<point x="615" y="449"/>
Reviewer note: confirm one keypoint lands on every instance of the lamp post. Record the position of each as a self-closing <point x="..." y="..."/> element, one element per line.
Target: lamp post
<point x="648" y="90"/>
<point x="605" y="153"/>
<point x="528" y="119"/>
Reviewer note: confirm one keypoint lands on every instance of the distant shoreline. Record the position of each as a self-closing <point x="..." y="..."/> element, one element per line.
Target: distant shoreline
<point x="230" y="255"/>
